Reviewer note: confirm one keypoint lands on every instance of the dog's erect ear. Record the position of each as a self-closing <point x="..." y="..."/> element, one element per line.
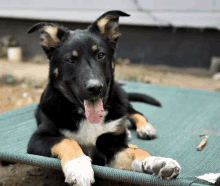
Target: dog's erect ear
<point x="107" y="24"/>
<point x="51" y="34"/>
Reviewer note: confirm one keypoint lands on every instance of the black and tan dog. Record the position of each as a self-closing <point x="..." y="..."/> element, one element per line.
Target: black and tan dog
<point x="82" y="112"/>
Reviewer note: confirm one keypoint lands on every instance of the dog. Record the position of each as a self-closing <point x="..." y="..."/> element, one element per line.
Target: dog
<point x="82" y="113"/>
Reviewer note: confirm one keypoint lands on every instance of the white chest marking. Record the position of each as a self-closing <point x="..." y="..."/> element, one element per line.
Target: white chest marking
<point x="88" y="133"/>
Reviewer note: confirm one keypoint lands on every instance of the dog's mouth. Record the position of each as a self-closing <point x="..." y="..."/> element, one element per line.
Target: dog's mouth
<point x="94" y="110"/>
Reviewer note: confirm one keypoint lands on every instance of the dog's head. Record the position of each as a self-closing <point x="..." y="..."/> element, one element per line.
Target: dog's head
<point x="81" y="61"/>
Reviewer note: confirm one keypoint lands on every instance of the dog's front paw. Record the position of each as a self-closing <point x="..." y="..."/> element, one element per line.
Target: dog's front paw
<point x="79" y="172"/>
<point x="147" y="131"/>
<point x="161" y="167"/>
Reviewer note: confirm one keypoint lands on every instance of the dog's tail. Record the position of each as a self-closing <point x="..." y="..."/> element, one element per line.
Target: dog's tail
<point x="143" y="98"/>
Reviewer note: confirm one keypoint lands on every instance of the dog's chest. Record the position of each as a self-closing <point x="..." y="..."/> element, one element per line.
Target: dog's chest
<point x="88" y="133"/>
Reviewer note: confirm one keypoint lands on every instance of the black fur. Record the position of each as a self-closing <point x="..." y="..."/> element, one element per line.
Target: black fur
<point x="61" y="105"/>
<point x="143" y="98"/>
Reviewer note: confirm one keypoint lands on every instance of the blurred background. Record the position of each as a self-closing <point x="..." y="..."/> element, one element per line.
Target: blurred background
<point x="159" y="32"/>
<point x="164" y="42"/>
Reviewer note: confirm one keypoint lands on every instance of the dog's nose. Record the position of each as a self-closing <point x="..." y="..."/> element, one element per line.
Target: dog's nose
<point x="94" y="86"/>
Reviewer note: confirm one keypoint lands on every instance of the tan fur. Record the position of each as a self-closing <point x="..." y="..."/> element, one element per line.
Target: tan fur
<point x="66" y="150"/>
<point x="75" y="53"/>
<point x="52" y="31"/>
<point x="132" y="146"/>
<point x="141" y="154"/>
<point x="49" y="36"/>
<point x="123" y="160"/>
<point x="111" y="34"/>
<point x="139" y="120"/>
<point x="94" y="48"/>
<point x="101" y="24"/>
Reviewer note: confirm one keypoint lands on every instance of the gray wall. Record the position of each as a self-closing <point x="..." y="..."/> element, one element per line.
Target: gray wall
<point x="183" y="48"/>
<point x="187" y="13"/>
<point x="149" y="45"/>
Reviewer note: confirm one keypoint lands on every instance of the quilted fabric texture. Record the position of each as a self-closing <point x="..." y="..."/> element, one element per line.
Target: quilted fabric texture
<point x="184" y="115"/>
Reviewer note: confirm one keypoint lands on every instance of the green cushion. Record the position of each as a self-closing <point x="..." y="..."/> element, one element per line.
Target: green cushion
<point x="184" y="115"/>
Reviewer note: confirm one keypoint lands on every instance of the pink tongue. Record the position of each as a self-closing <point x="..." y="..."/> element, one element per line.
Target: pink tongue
<point x="94" y="110"/>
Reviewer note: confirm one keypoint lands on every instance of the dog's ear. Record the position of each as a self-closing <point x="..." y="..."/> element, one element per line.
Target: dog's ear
<point x="107" y="24"/>
<point x="51" y="35"/>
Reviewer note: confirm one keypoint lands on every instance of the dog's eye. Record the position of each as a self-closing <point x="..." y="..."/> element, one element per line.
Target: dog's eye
<point x="70" y="60"/>
<point x="101" y="55"/>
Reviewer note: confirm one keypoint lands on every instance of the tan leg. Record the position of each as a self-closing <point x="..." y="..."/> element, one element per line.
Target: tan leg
<point x="76" y="165"/>
<point x="143" y="127"/>
<point x="135" y="159"/>
<point x="66" y="150"/>
<point x="123" y="160"/>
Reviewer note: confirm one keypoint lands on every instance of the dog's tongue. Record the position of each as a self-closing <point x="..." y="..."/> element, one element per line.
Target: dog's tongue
<point x="94" y="110"/>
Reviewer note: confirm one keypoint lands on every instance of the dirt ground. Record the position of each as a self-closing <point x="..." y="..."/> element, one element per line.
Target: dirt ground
<point x="15" y="94"/>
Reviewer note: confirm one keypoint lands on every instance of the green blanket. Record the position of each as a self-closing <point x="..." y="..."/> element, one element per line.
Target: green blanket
<point x="184" y="115"/>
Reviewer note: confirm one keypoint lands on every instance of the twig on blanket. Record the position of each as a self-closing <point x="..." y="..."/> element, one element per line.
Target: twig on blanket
<point x="202" y="144"/>
<point x="203" y="134"/>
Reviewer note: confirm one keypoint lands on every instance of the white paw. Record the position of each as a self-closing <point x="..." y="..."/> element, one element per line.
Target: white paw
<point x="161" y="167"/>
<point x="79" y="172"/>
<point x="148" y="131"/>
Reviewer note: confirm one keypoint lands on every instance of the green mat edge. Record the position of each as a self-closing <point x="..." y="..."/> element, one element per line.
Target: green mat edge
<point x="100" y="172"/>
